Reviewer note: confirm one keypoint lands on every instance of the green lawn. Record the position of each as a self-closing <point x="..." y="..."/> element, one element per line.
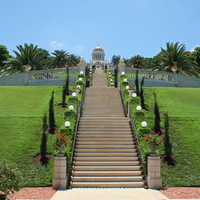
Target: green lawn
<point x="182" y="105"/>
<point x="22" y="109"/>
<point x="21" y="113"/>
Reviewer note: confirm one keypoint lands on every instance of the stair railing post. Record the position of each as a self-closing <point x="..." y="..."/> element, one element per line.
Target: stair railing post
<point x="116" y="77"/>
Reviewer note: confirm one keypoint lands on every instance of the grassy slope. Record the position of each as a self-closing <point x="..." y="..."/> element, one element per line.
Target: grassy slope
<point x="21" y="112"/>
<point x="182" y="105"/>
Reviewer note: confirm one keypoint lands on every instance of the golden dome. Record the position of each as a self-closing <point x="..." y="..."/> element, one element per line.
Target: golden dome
<point x="98" y="48"/>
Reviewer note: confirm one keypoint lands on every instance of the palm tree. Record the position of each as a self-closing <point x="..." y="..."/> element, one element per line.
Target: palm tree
<point x="137" y="61"/>
<point x="28" y="54"/>
<point x="60" y="58"/>
<point x="175" y="55"/>
<point x="73" y="60"/>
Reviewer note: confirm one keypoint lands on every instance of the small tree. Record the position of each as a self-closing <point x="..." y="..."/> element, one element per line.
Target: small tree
<point x="10" y="178"/>
<point x="157" y="116"/>
<point x="43" y="146"/>
<point x="63" y="95"/>
<point x="67" y="85"/>
<point x="167" y="143"/>
<point x="137" y="83"/>
<point x="141" y="94"/>
<point x="51" y="113"/>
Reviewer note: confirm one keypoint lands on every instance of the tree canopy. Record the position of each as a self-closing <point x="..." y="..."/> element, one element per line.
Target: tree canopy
<point x="176" y="55"/>
<point x="29" y="54"/>
<point x="115" y="59"/>
<point x="4" y="55"/>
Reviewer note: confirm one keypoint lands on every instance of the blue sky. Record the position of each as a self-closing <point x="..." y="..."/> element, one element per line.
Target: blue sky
<point x="126" y="28"/>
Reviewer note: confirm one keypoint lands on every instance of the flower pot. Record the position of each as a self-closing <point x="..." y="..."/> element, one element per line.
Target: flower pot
<point x="61" y="148"/>
<point x="77" y="91"/>
<point x="152" y="148"/>
<point x="130" y="92"/>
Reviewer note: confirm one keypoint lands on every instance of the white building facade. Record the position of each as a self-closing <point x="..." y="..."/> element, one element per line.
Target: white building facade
<point x="98" y="57"/>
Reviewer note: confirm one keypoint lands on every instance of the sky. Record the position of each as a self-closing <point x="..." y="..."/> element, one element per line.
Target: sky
<point x="125" y="28"/>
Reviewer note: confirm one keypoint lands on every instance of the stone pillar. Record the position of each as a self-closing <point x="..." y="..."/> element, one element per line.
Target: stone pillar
<point x="121" y="66"/>
<point x="175" y="79"/>
<point x="26" y="81"/>
<point x="82" y="65"/>
<point x="154" y="179"/>
<point x="60" y="172"/>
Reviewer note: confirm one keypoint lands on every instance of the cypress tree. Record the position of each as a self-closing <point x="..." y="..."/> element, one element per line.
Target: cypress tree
<point x="63" y="95"/>
<point x="157" y="116"/>
<point x="137" y="83"/>
<point x="167" y="143"/>
<point x="43" y="146"/>
<point x="67" y="81"/>
<point x="51" y="112"/>
<point x="141" y="94"/>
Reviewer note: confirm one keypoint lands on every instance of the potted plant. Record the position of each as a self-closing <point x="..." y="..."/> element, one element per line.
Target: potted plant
<point x="77" y="89"/>
<point x="174" y="68"/>
<point x="153" y="140"/>
<point x="131" y="90"/>
<point x="59" y="141"/>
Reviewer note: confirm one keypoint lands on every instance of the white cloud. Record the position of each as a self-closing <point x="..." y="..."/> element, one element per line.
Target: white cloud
<point x="78" y="48"/>
<point x="194" y="48"/>
<point x="56" y="45"/>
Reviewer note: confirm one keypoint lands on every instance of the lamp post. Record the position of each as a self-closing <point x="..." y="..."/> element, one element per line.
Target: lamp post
<point x="134" y="95"/>
<point x="71" y="107"/>
<point x="144" y="124"/>
<point x="138" y="108"/>
<point x="74" y="94"/>
<point x="67" y="124"/>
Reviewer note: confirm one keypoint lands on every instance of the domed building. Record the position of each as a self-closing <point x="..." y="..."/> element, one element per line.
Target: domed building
<point x="98" y="57"/>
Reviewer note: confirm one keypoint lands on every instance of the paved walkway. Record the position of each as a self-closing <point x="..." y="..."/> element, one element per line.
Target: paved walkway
<point x="109" y="194"/>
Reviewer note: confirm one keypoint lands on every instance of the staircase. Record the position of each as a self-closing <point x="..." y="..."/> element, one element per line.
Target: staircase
<point x="105" y="151"/>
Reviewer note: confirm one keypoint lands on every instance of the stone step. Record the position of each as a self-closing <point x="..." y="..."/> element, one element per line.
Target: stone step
<point x="106" y="163"/>
<point x="108" y="146"/>
<point x="105" y="143"/>
<point x="108" y="136"/>
<point x="110" y="126"/>
<point x="106" y="168"/>
<point x="106" y="173"/>
<point x="77" y="154"/>
<point x="98" y="139"/>
<point x="107" y="184"/>
<point x="102" y="115"/>
<point x="108" y="129"/>
<point x="103" y="121"/>
<point x="106" y="158"/>
<point x="104" y="150"/>
<point x="106" y="179"/>
<point x="120" y="119"/>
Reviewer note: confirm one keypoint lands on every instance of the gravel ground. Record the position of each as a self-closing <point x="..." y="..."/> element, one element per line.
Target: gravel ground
<point x="181" y="192"/>
<point x="34" y="193"/>
<point x="46" y="193"/>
